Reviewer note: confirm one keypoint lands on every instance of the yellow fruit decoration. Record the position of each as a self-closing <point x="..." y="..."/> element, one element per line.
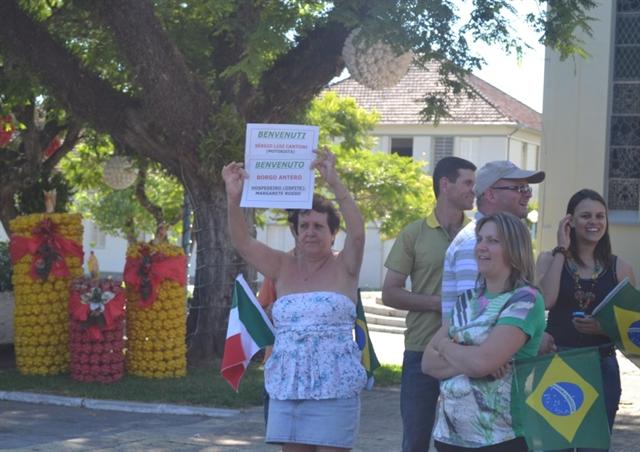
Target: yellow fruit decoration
<point x="46" y="253"/>
<point x="155" y="278"/>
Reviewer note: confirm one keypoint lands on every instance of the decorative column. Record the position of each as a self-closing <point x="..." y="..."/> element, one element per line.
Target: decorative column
<point x="96" y="330"/>
<point x="155" y="276"/>
<point x="46" y="253"/>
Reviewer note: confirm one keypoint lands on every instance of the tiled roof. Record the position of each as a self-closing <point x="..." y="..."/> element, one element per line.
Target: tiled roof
<point x="402" y="103"/>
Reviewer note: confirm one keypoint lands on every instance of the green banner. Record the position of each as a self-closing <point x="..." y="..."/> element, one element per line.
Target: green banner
<point x="558" y="400"/>
<point x="619" y="316"/>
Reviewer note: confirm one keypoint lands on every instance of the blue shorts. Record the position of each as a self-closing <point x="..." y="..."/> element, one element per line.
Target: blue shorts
<point x="327" y="422"/>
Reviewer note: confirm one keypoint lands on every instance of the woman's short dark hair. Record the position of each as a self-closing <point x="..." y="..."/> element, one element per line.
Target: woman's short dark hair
<point x="321" y="205"/>
<point x="602" y="253"/>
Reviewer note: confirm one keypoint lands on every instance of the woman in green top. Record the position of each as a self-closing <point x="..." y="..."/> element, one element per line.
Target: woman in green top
<point x="501" y="319"/>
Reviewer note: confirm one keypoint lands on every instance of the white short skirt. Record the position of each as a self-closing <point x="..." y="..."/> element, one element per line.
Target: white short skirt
<point x="326" y="422"/>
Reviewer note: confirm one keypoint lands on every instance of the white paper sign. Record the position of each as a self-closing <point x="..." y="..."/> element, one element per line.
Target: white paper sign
<point x="278" y="159"/>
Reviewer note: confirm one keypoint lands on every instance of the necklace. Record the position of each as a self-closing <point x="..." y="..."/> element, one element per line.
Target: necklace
<point x="585" y="296"/>
<point x="307" y="275"/>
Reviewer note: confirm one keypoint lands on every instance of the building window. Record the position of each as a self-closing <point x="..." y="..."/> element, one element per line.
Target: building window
<point x="442" y="147"/>
<point x="624" y="141"/>
<point x="402" y="146"/>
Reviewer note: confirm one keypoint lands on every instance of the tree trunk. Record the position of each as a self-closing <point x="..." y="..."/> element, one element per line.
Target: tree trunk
<point x="217" y="266"/>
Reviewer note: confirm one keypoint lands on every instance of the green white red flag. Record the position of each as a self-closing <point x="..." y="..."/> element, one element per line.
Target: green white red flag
<point x="248" y="331"/>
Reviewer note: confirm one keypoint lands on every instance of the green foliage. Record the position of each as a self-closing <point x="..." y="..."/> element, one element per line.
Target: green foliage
<point x="225" y="142"/>
<point x="342" y="120"/>
<point x="202" y="386"/>
<point x="221" y="39"/>
<point x="388" y="375"/>
<point x="5" y="268"/>
<point x="564" y="24"/>
<point x="113" y="210"/>
<point x="390" y="190"/>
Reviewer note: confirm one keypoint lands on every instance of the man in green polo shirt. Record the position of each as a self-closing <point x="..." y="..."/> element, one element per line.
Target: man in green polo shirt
<point x="418" y="253"/>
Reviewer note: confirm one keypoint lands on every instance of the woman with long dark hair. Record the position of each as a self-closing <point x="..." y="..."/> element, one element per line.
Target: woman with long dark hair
<point x="575" y="276"/>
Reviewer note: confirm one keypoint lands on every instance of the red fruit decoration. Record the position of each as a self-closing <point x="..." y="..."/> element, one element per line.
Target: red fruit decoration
<point x="96" y="308"/>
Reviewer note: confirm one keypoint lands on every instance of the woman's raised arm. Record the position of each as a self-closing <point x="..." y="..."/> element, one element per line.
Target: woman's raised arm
<point x="549" y="265"/>
<point x="265" y="259"/>
<point x="353" y="249"/>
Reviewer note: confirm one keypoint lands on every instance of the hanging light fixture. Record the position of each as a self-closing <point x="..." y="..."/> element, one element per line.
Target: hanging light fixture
<point x="375" y="66"/>
<point x="119" y="172"/>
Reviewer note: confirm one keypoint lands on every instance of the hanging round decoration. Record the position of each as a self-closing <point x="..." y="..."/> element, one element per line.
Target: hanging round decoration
<point x="376" y="66"/>
<point x="119" y="173"/>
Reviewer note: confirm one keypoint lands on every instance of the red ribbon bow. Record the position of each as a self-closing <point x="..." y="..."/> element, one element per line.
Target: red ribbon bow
<point x="81" y="311"/>
<point x="147" y="272"/>
<point x="48" y="249"/>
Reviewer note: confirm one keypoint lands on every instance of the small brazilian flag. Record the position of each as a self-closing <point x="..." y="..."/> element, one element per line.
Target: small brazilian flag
<point x="558" y="400"/>
<point x="619" y="316"/>
<point x="369" y="359"/>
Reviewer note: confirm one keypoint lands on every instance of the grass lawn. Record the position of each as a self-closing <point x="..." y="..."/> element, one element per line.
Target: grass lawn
<point x="202" y="387"/>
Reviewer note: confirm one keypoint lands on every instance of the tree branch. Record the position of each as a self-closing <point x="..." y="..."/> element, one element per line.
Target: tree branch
<point x="176" y="102"/>
<point x="154" y="210"/>
<point x="71" y="138"/>
<point x="78" y="90"/>
<point x="299" y="75"/>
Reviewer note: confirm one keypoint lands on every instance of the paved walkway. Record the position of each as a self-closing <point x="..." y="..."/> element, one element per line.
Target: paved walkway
<point x="44" y="427"/>
<point x="35" y="427"/>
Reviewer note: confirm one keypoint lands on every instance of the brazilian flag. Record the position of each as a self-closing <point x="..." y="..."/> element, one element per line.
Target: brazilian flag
<point x="369" y="359"/>
<point x="619" y="316"/>
<point x="558" y="400"/>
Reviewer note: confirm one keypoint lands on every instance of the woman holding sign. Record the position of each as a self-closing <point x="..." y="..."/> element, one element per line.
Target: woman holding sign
<point x="314" y="376"/>
<point x="575" y="276"/>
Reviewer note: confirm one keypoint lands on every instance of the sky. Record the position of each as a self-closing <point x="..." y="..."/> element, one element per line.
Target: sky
<point x="521" y="79"/>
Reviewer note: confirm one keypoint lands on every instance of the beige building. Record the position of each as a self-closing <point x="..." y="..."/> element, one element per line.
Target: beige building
<point x="490" y="126"/>
<point x="591" y="127"/>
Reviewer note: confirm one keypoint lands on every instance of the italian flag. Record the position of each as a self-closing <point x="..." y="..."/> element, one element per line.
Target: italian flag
<point x="248" y="331"/>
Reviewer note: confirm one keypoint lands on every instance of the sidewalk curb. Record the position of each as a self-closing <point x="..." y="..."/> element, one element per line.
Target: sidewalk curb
<point x="116" y="405"/>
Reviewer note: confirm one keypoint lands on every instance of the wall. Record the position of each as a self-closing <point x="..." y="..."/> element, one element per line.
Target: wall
<point x="479" y="144"/>
<point x="574" y="140"/>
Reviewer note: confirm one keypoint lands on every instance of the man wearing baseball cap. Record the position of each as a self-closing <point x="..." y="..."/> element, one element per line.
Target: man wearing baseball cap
<point x="500" y="187"/>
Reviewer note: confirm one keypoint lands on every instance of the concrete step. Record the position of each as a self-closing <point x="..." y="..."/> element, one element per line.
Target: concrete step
<point x="381" y="318"/>
<point x="373" y="327"/>
<point x="381" y="309"/>
<point x="386" y="320"/>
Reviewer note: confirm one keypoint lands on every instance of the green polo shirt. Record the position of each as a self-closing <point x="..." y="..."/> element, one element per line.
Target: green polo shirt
<point x="419" y="253"/>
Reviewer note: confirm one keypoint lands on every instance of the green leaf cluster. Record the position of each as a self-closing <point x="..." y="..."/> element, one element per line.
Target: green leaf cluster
<point x="118" y="212"/>
<point x="390" y="190"/>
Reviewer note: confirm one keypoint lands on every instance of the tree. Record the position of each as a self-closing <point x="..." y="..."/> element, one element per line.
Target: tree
<point x="177" y="81"/>
<point x="155" y="198"/>
<point x="34" y="127"/>
<point x="390" y="190"/>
